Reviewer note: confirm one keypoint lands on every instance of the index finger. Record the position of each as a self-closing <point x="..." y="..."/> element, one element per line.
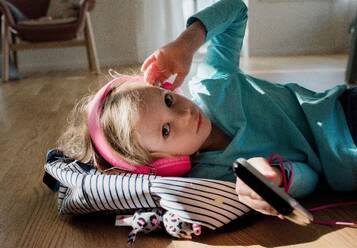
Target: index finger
<point x="147" y="62"/>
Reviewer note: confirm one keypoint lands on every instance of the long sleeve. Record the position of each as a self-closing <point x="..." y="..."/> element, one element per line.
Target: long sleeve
<point x="225" y="23"/>
<point x="302" y="180"/>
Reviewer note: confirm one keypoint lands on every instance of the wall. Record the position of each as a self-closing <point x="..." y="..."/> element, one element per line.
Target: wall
<point x="276" y="27"/>
<point x="286" y="27"/>
<point x="158" y="22"/>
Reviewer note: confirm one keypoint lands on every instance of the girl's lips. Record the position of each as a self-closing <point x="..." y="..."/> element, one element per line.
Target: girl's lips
<point x="199" y="120"/>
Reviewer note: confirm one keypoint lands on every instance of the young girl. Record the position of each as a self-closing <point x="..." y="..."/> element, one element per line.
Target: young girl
<point x="231" y="115"/>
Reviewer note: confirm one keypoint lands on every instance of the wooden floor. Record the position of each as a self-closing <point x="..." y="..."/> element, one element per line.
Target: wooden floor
<point x="32" y="114"/>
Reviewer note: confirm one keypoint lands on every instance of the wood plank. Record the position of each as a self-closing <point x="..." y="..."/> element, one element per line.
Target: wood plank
<point x="5" y="48"/>
<point x="55" y="44"/>
<point x="91" y="46"/>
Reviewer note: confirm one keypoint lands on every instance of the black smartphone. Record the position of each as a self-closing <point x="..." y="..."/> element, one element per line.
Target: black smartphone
<point x="276" y="197"/>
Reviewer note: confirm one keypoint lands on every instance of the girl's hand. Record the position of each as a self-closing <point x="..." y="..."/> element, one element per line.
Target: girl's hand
<point x="170" y="59"/>
<point x="175" y="57"/>
<point x="249" y="197"/>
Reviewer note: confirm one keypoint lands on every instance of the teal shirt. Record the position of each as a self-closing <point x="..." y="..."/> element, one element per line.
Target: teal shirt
<point x="307" y="128"/>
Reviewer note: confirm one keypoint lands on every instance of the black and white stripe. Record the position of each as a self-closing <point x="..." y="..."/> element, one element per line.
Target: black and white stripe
<point x="210" y="203"/>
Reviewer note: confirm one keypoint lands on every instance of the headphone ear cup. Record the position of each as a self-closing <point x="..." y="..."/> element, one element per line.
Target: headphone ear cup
<point x="172" y="166"/>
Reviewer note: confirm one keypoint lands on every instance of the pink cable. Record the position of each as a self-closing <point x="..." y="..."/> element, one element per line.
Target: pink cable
<point x="334" y="222"/>
<point x="273" y="157"/>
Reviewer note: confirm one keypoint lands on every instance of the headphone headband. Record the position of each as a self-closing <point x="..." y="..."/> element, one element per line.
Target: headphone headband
<point x="172" y="166"/>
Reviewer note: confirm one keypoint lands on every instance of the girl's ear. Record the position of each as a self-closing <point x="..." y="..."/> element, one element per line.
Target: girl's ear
<point x="157" y="155"/>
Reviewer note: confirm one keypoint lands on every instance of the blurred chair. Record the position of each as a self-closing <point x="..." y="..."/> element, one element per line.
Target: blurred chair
<point x="35" y="33"/>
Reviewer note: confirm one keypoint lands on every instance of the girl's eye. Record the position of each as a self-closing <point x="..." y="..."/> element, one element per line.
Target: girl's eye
<point x="165" y="130"/>
<point x="168" y="100"/>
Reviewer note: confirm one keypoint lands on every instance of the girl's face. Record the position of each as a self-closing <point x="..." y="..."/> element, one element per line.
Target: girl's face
<point x="170" y="124"/>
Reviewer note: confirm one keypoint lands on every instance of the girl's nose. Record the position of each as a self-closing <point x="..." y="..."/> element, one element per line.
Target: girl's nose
<point x="185" y="115"/>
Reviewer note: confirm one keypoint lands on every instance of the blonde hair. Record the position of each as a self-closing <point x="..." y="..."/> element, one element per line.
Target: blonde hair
<point x="120" y="113"/>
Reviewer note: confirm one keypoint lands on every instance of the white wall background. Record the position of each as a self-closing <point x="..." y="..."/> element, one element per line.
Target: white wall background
<point x="290" y="27"/>
<point x="276" y="27"/>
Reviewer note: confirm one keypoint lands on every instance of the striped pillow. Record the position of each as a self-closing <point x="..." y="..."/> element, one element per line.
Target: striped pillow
<point x="83" y="189"/>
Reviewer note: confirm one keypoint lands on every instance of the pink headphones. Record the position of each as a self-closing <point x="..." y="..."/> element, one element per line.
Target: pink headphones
<point x="171" y="166"/>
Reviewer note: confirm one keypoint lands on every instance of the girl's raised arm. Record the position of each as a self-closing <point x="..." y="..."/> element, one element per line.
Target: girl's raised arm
<point x="225" y="23"/>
